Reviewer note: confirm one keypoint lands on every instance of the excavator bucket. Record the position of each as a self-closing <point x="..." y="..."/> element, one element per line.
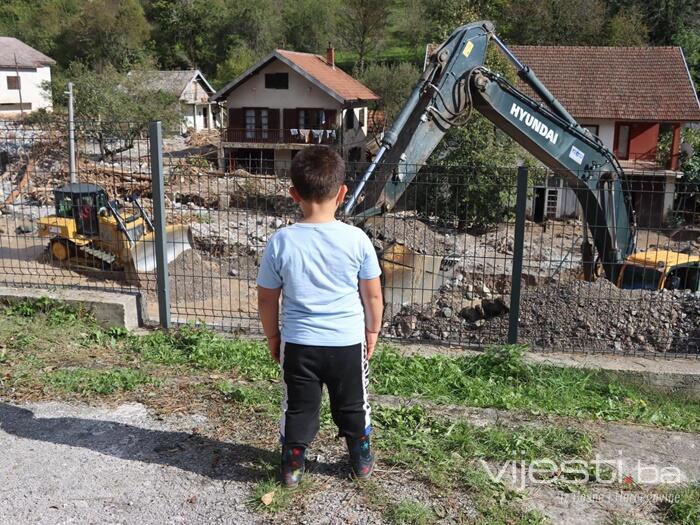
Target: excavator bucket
<point x="410" y="277"/>
<point x="143" y="253"/>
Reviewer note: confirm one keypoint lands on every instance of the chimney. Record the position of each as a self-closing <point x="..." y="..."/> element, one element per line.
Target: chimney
<point x="330" y="55"/>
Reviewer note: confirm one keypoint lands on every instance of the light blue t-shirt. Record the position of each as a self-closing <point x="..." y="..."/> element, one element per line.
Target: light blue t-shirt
<point x="318" y="267"/>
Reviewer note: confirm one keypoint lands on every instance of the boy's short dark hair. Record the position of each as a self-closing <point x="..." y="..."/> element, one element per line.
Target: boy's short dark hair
<point x="318" y="172"/>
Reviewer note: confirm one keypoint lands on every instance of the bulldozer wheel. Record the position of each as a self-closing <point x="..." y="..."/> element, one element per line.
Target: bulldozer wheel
<point x="61" y="250"/>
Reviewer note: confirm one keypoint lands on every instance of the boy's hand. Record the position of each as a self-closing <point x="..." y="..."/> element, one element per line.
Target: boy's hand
<point x="273" y="344"/>
<point x="371" y="338"/>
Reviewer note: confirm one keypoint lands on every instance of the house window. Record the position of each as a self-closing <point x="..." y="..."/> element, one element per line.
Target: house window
<point x="320" y="119"/>
<point x="362" y="118"/>
<point x="303" y="118"/>
<point x="13" y="83"/>
<point x="623" y="141"/>
<point x="276" y="81"/>
<point x="11" y="106"/>
<point x="264" y="122"/>
<point x="249" y="123"/>
<point x="349" y="118"/>
<point x="593" y="128"/>
<point x="205" y="117"/>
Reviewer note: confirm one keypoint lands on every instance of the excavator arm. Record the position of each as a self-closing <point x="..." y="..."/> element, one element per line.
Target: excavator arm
<point x="455" y="83"/>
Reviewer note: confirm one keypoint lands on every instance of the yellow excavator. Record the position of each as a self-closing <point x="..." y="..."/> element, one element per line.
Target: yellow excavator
<point x="88" y="230"/>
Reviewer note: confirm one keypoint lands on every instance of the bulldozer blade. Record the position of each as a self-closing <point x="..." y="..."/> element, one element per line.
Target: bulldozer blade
<point x="143" y="253"/>
<point x="410" y="277"/>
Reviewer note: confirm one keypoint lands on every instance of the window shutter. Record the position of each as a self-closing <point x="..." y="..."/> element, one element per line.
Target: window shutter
<point x="274" y="118"/>
<point x="236" y="118"/>
<point x="291" y="119"/>
<point x="331" y="115"/>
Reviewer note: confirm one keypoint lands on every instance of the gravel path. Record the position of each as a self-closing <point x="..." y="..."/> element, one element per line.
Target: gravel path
<point x="79" y="464"/>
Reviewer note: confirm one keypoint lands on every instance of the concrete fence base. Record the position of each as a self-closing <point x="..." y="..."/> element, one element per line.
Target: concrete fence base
<point x="110" y="309"/>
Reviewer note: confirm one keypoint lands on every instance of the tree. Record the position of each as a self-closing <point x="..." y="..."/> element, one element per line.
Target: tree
<point x="361" y="26"/>
<point x="444" y="16"/>
<point x="106" y="32"/>
<point x="627" y="28"/>
<point x="240" y="58"/>
<point x="307" y="24"/>
<point x="188" y="34"/>
<point x="393" y="83"/>
<point x="115" y="108"/>
<point x="557" y="22"/>
<point x="690" y="42"/>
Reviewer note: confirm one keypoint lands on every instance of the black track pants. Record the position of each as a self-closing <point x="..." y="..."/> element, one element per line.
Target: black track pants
<point x="343" y="369"/>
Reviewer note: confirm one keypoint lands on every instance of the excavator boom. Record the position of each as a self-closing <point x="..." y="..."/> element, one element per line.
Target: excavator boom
<point x="456" y="82"/>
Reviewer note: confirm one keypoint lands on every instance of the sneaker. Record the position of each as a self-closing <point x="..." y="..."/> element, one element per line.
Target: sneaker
<point x="361" y="457"/>
<point x="292" y="467"/>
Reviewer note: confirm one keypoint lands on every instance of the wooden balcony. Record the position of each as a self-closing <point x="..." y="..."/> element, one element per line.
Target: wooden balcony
<point x="280" y="136"/>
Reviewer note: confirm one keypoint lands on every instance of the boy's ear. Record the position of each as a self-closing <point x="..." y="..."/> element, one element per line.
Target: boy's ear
<point x="295" y="194"/>
<point x="342" y="192"/>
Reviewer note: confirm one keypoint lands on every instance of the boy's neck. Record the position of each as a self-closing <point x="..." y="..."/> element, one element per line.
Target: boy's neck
<point x="318" y="212"/>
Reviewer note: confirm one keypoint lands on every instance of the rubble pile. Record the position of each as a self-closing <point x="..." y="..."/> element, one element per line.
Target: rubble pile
<point x="559" y="316"/>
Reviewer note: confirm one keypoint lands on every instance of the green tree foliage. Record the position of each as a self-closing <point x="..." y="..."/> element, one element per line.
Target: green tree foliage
<point x="240" y="58"/>
<point x="627" y="28"/>
<point x="690" y="42"/>
<point x="186" y="32"/>
<point x="361" y="26"/>
<point x="105" y="32"/>
<point x="393" y="83"/>
<point x="444" y="16"/>
<point x="115" y="108"/>
<point x="551" y="22"/>
<point x="308" y="24"/>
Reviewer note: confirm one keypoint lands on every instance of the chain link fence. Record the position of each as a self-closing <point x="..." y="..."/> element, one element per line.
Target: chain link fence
<point x="459" y="267"/>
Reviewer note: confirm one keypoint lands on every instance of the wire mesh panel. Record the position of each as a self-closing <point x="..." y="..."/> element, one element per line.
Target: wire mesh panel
<point x="447" y="247"/>
<point x="54" y="234"/>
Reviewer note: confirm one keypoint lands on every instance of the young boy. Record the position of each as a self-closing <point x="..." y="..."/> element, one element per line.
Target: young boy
<point x="328" y="275"/>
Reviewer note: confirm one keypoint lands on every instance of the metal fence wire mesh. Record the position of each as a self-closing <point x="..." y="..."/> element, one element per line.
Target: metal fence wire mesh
<point x="448" y="248"/>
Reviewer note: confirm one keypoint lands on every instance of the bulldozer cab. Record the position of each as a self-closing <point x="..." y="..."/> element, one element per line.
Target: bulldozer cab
<point x="82" y="203"/>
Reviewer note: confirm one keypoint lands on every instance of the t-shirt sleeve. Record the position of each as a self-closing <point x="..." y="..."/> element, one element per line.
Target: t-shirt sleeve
<point x="268" y="275"/>
<point x="369" y="269"/>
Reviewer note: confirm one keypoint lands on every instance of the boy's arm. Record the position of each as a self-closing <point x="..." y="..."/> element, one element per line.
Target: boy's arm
<point x="371" y="294"/>
<point x="268" y="308"/>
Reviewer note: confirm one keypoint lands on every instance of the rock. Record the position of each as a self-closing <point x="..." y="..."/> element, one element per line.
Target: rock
<point x="277" y="223"/>
<point x="447" y="312"/>
<point x="494" y="307"/>
<point x="24" y="228"/>
<point x="473" y="312"/>
<point x="233" y="273"/>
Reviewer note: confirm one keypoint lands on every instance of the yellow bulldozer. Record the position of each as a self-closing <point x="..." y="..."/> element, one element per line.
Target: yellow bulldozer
<point x="88" y="230"/>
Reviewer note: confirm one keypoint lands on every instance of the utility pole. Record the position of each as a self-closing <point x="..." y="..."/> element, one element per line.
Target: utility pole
<point x="71" y="135"/>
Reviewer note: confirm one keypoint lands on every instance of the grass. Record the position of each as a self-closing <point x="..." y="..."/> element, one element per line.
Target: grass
<point x="409" y="512"/>
<point x="445" y="454"/>
<point x="87" y="382"/>
<point x="51" y="345"/>
<point x="500" y="378"/>
<point x="270" y="497"/>
<point x="201" y="348"/>
<point x="682" y="505"/>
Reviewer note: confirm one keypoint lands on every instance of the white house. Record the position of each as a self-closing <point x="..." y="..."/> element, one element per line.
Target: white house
<point x="23" y="71"/>
<point x="193" y="91"/>
<point x="288" y="101"/>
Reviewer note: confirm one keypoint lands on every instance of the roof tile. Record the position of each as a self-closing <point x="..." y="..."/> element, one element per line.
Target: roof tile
<point x="621" y="83"/>
<point x="332" y="77"/>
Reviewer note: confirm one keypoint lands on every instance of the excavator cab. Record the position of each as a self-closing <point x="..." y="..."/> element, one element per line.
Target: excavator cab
<point x="82" y="203"/>
<point x="660" y="270"/>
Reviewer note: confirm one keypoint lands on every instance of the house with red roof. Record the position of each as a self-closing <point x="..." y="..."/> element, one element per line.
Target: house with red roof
<point x="288" y="101"/>
<point x="634" y="99"/>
